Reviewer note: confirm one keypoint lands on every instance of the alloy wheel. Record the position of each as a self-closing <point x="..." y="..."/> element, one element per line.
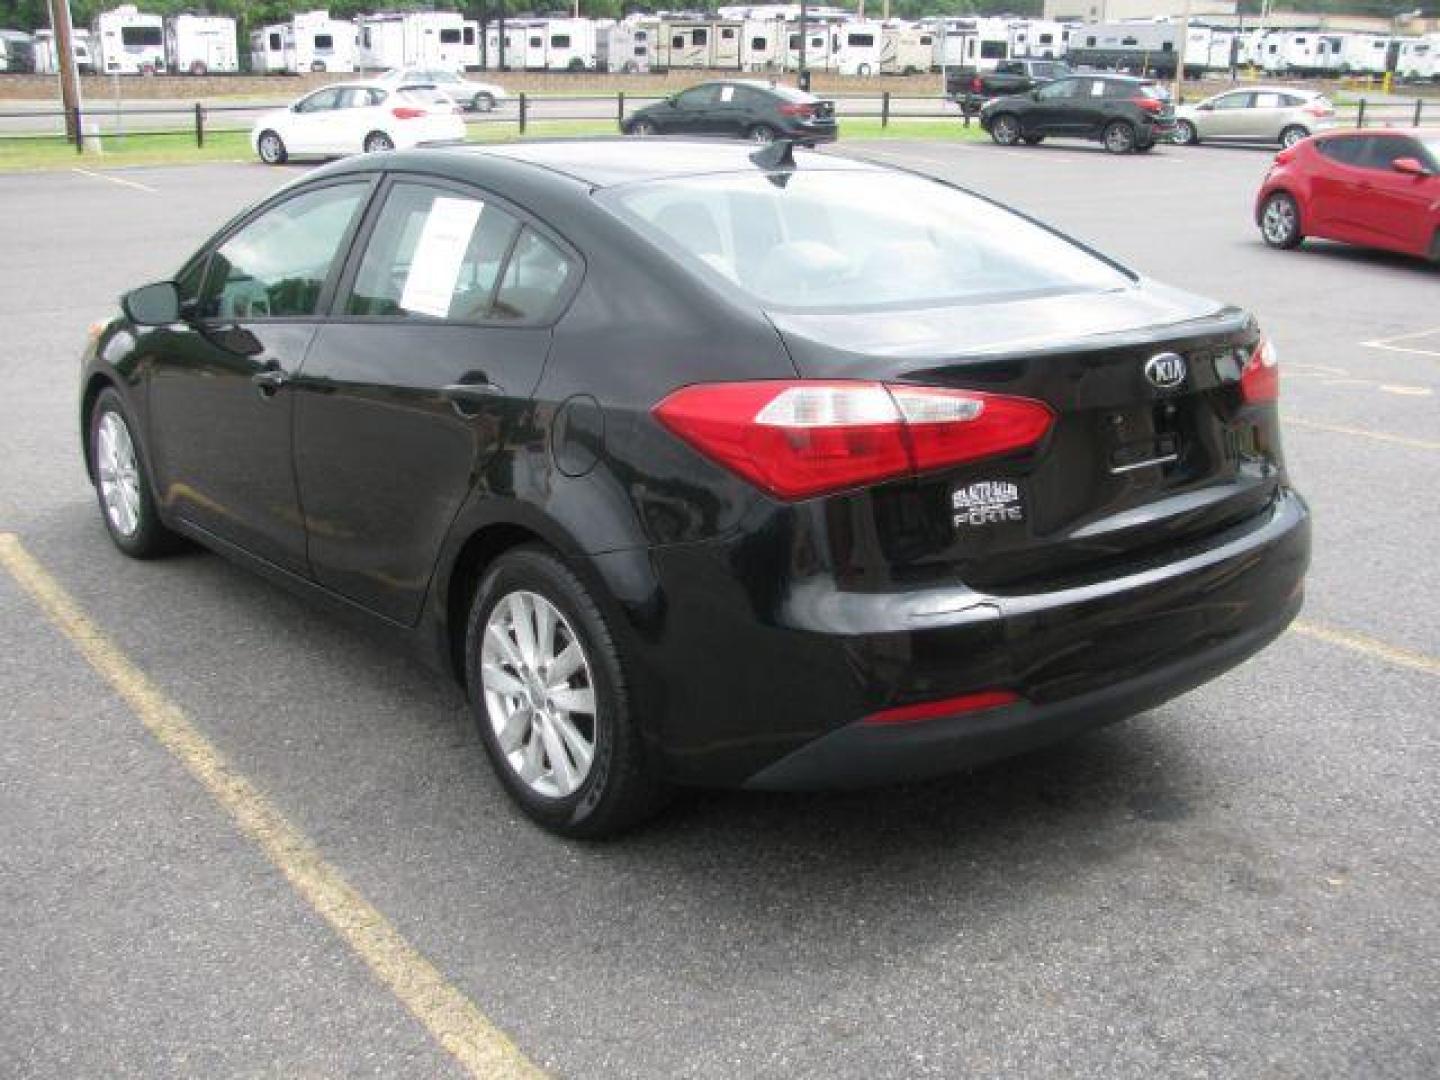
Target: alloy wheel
<point x="539" y="694"/>
<point x="1006" y="130"/>
<point x="1119" y="138"/>
<point x="761" y="134"/>
<point x="1292" y="135"/>
<point x="271" y="148"/>
<point x="378" y="142"/>
<point x="1279" y="221"/>
<point x="119" y="474"/>
<point x="1184" y="133"/>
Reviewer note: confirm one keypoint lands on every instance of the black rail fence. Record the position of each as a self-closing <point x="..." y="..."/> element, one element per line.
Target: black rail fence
<point x="198" y="121"/>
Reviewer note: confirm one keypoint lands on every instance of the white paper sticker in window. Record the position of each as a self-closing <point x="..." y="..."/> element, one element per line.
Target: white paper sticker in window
<point x="435" y="266"/>
<point x="727" y="93"/>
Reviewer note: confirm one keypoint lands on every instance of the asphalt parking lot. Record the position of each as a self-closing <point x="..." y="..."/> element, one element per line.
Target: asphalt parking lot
<point x="1242" y="883"/>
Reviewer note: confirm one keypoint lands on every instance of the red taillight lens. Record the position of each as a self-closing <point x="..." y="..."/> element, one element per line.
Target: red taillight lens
<point x="931" y="710"/>
<point x="1260" y="378"/>
<point x="1150" y="105"/>
<point x="407" y="112"/>
<point x="797" y="440"/>
<point x="977" y="84"/>
<point x="797" y="110"/>
<point x="1318" y="110"/>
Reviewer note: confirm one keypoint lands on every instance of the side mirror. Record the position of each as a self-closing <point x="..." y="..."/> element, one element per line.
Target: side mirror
<point x="153" y="305"/>
<point x="1410" y="166"/>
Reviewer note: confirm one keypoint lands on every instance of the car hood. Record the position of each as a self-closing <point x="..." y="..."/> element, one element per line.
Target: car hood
<point x="1029" y="324"/>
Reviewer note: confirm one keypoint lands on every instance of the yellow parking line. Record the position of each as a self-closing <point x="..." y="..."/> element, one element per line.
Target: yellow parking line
<point x="1368" y="646"/>
<point x="449" y="1016"/>
<point x="1381" y="436"/>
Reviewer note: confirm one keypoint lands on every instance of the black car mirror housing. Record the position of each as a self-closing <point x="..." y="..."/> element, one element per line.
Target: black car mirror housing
<point x="152" y="305"/>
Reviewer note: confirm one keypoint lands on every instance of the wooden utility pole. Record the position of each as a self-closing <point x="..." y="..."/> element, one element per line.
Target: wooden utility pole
<point x="65" y="65"/>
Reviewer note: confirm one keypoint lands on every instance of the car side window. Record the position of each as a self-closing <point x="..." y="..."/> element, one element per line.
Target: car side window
<point x="1268" y="101"/>
<point x="1381" y="150"/>
<point x="1059" y="91"/>
<point x="1346" y="151"/>
<point x="360" y="97"/>
<point x="320" y="101"/>
<point x="697" y="97"/>
<point x="433" y="254"/>
<point x="534" y="279"/>
<point x="1232" y="101"/>
<point x="276" y="266"/>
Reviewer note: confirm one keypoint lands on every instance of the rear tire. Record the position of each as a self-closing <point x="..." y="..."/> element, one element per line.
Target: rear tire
<point x="602" y="778"/>
<point x="271" y="148"/>
<point x="483" y="102"/>
<point x="1005" y="129"/>
<point x="122" y="483"/>
<point x="1119" y="137"/>
<point x="1185" y="134"/>
<point x="1280" y="222"/>
<point x="1292" y="135"/>
<point x="763" y="134"/>
<point x="377" y="142"/>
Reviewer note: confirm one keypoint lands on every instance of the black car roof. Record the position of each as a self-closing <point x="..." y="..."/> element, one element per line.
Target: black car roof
<point x="606" y="162"/>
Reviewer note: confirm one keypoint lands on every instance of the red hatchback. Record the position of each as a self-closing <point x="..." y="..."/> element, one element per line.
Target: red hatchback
<point x="1379" y="188"/>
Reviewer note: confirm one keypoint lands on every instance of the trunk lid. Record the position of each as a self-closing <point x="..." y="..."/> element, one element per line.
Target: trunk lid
<point x="1133" y="463"/>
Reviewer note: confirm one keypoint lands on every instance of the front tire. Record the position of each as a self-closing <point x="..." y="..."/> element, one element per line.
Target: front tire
<point x="272" y="148"/>
<point x="1185" y="134"/>
<point x="642" y="129"/>
<point x="1280" y="222"/>
<point x="763" y="134"/>
<point x="1119" y="137"/>
<point x="551" y="701"/>
<point x="1005" y="129"/>
<point x="1292" y="135"/>
<point x="377" y="142"/>
<point x="122" y="483"/>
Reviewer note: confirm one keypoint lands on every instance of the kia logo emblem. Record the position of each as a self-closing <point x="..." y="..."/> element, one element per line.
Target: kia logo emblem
<point x="1165" y="370"/>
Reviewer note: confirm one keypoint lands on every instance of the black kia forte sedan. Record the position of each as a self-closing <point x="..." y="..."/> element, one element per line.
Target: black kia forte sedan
<point x="704" y="465"/>
<point x="741" y="109"/>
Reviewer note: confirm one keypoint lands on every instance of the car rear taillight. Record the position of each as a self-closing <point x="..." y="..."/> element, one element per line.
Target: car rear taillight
<point x="797" y="440"/>
<point x="1154" y="106"/>
<point x="977" y="84"/>
<point x="1316" y="109"/>
<point x="792" y="109"/>
<point x="407" y="112"/>
<point x="932" y="710"/>
<point x="1260" y="377"/>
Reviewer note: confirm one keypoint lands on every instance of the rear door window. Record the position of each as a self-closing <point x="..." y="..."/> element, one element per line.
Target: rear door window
<point x="433" y="254"/>
<point x="536" y="277"/>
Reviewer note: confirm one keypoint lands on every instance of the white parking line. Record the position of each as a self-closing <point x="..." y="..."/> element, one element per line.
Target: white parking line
<point x="1389" y="345"/>
<point x="116" y="180"/>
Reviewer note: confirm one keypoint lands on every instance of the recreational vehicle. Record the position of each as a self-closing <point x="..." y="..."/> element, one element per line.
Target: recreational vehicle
<point x="316" y="42"/>
<point x="1136" y="47"/>
<point x="907" y="50"/>
<point x="624" y="47"/>
<point x="1418" y="59"/>
<point x="762" y="44"/>
<point x="131" y="42"/>
<point x="856" y="48"/>
<point x="427" y="39"/>
<point x="1366" y="54"/>
<point x="698" y="44"/>
<point x="1292" y="52"/>
<point x="267" y="49"/>
<point x="200" y="44"/>
<point x="817" y="53"/>
<point x="470" y="44"/>
<point x="974" y="44"/>
<point x="47" y="56"/>
<point x="570" y="45"/>
<point x="1037" y="39"/>
<point x="17" y="51"/>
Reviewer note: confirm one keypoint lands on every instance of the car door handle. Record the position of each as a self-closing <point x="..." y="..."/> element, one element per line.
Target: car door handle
<point x="466" y="397"/>
<point x="270" y="380"/>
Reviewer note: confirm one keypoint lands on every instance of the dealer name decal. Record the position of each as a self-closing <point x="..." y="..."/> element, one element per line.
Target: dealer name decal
<point x="987" y="502"/>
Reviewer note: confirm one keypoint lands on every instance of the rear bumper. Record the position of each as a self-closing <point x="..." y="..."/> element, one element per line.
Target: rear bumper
<point x="761" y="676"/>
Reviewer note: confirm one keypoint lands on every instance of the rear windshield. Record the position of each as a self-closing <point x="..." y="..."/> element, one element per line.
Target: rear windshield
<point x="424" y="95"/>
<point x="856" y="239"/>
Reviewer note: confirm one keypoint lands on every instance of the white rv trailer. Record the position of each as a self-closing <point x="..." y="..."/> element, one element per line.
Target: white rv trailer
<point x="131" y="42"/>
<point x="819" y="55"/>
<point x="856" y="48"/>
<point x="47" y="56"/>
<point x="316" y="42"/>
<point x="267" y="49"/>
<point x="624" y="47"/>
<point x="1037" y="39"/>
<point x="696" y="43"/>
<point x="1418" y="59"/>
<point x="17" y="51"/>
<point x="201" y="44"/>
<point x="762" y="44"/>
<point x="1127" y="46"/>
<point x="516" y="32"/>
<point x="570" y="45"/>
<point x="470" y="44"/>
<point x="977" y="44"/>
<point x="1219" y="56"/>
<point x="908" y="50"/>
<point x="427" y="39"/>
<point x="1292" y="51"/>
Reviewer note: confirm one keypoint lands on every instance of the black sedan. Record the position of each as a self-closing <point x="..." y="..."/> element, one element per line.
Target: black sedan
<point x="1122" y="112"/>
<point x="738" y="108"/>
<point x="698" y="464"/>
